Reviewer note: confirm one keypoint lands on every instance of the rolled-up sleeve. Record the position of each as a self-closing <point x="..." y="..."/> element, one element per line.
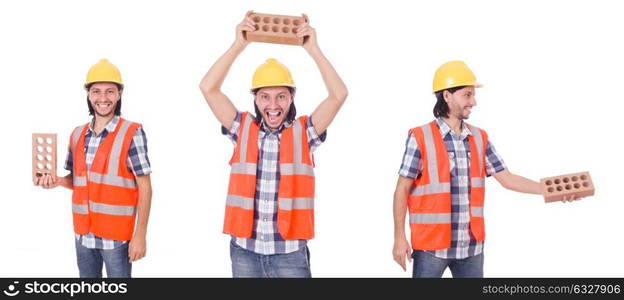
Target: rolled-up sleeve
<point x="314" y="139"/>
<point x="493" y="162"/>
<point x="411" y="165"/>
<point x="232" y="133"/>
<point x="138" y="161"/>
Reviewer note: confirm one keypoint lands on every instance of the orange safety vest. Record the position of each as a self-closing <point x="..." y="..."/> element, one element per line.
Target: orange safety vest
<point x="295" y="214"/>
<point x="429" y="201"/>
<point x="104" y="201"/>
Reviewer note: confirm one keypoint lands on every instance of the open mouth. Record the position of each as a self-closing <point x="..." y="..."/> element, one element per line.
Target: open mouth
<point x="105" y="105"/>
<point x="273" y="116"/>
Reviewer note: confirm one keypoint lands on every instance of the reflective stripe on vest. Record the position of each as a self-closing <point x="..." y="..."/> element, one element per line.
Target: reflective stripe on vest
<point x="108" y="179"/>
<point x="426" y="189"/>
<point x="296" y="203"/>
<point x="476" y="133"/>
<point x="245" y="139"/>
<point x="239" y="201"/>
<point x="477" y="211"/>
<point x="477" y="182"/>
<point x="77" y="180"/>
<point x="432" y="159"/>
<point x="81" y="209"/>
<point x="443" y="218"/>
<point x="296" y="169"/>
<point x="244" y="168"/>
<point x="76" y="136"/>
<point x="116" y="210"/>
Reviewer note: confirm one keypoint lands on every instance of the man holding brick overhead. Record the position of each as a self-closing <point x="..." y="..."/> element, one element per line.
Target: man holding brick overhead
<point x="269" y="208"/>
<point x="442" y="183"/>
<point x="110" y="179"/>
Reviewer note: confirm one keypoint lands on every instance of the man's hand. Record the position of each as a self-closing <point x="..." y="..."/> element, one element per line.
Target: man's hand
<point x="136" y="248"/>
<point x="570" y="198"/>
<point x="46" y="181"/>
<point x="400" y="251"/>
<point x="247" y="25"/>
<point x="308" y="33"/>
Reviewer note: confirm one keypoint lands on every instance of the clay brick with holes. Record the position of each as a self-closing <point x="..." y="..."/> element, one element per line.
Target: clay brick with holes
<point x="557" y="187"/>
<point x="276" y="29"/>
<point x="43" y="154"/>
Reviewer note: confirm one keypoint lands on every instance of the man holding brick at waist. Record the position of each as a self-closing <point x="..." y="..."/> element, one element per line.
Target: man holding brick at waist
<point x="442" y="183"/>
<point x="110" y="179"/>
<point x="270" y="203"/>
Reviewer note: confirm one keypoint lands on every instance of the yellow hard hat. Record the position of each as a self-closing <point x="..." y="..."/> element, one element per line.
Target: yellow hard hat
<point x="453" y="74"/>
<point x="103" y="71"/>
<point x="271" y="73"/>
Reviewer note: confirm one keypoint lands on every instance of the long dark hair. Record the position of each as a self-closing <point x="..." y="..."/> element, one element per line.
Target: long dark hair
<point x="117" y="107"/>
<point x="441" y="108"/>
<point x="292" y="110"/>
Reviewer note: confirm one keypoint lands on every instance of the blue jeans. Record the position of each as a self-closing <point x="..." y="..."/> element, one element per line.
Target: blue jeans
<point x="428" y="265"/>
<point x="90" y="261"/>
<point x="246" y="263"/>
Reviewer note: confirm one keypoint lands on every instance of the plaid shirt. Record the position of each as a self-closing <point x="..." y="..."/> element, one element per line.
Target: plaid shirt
<point x="463" y="243"/>
<point x="138" y="164"/>
<point x="265" y="238"/>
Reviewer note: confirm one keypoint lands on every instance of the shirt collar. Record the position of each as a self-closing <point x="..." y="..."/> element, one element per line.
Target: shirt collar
<point x="445" y="129"/>
<point x="110" y="127"/>
<point x="266" y="130"/>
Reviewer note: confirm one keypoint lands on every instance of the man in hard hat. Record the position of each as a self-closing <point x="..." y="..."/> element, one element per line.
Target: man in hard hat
<point x="110" y="178"/>
<point x="269" y="208"/>
<point x="442" y="183"/>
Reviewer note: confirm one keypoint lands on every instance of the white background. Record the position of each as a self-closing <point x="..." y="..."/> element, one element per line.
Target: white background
<point x="553" y="93"/>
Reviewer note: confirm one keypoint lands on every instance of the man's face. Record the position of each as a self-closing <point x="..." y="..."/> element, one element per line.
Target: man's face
<point x="104" y="97"/>
<point x="461" y="102"/>
<point x="274" y="104"/>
